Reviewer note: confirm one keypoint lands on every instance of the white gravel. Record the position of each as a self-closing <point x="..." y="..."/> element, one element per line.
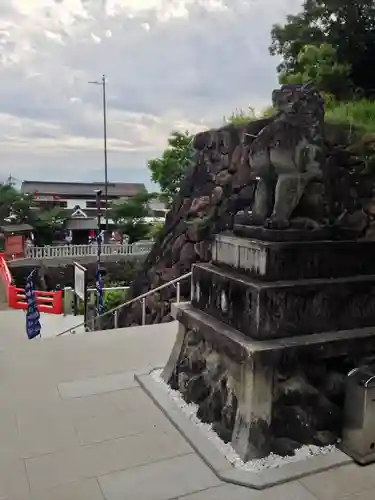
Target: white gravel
<point x="272" y="461"/>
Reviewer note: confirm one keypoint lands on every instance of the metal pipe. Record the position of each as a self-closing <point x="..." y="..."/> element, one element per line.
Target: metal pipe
<point x="103" y="83"/>
<point x="178" y="292"/>
<point x="105" y="154"/>
<point x="143" y="311"/>
<point x="140" y="297"/>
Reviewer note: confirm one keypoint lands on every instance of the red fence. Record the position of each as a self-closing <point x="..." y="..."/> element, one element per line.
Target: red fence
<point x="5" y="276"/>
<point x="47" y="302"/>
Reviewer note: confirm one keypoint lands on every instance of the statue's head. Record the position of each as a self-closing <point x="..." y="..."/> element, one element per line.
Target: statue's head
<point x="292" y="98"/>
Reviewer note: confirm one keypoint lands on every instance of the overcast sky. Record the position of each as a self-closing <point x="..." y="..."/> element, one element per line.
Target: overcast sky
<point x="170" y="64"/>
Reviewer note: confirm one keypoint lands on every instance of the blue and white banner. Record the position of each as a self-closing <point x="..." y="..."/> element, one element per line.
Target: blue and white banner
<point x="99" y="289"/>
<point x="33" y="326"/>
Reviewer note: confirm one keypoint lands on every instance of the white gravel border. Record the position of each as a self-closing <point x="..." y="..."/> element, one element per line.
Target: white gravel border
<point x="270" y="462"/>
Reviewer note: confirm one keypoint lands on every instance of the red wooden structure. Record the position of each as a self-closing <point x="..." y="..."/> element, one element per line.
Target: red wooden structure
<point x="47" y="302"/>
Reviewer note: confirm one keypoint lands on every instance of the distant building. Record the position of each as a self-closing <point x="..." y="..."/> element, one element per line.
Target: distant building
<point x="79" y="201"/>
<point x="71" y="195"/>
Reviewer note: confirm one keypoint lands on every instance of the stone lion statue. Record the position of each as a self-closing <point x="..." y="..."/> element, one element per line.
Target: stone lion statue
<point x="287" y="155"/>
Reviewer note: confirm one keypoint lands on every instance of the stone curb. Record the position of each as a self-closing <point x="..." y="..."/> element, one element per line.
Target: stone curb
<point x="215" y="460"/>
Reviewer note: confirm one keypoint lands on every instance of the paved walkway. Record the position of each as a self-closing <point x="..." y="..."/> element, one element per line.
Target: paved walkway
<point x="74" y="425"/>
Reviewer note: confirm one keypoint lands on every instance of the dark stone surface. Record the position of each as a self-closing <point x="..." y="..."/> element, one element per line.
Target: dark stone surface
<point x="201" y="377"/>
<point x="240" y="228"/>
<point x="313" y="259"/>
<point x="308" y="385"/>
<point x="283" y="309"/>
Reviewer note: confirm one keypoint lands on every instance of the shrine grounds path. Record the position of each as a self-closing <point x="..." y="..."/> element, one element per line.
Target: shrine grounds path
<point x="75" y="425"/>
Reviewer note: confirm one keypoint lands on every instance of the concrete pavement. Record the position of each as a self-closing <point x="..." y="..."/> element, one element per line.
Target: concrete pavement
<point x="75" y="425"/>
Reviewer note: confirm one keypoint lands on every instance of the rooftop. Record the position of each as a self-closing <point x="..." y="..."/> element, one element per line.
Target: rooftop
<point x="81" y="188"/>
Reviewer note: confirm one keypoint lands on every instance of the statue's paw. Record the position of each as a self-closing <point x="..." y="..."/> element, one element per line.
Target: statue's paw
<point x="256" y="220"/>
<point x="274" y="223"/>
<point x="249" y="219"/>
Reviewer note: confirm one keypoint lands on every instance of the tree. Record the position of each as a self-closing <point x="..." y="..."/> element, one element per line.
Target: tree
<point x="14" y="205"/>
<point x="47" y="224"/>
<point x="348" y="25"/>
<point x="320" y="65"/>
<point x="129" y="215"/>
<point x="170" y="168"/>
<point x="155" y="230"/>
<point x="18" y="208"/>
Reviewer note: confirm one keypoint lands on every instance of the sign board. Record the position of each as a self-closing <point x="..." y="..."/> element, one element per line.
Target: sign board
<point x="80" y="288"/>
<point x="14" y="245"/>
<point x="43" y="198"/>
<point x="80" y="280"/>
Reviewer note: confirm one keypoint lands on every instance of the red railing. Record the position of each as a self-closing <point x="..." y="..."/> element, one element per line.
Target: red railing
<point x="5" y="276"/>
<point x="47" y="302"/>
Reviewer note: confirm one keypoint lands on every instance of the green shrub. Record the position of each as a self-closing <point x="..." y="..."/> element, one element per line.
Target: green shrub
<point x="114" y="298"/>
<point x="358" y="114"/>
<point x="111" y="299"/>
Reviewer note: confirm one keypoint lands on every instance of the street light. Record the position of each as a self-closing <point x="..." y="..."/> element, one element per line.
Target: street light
<point x="98" y="274"/>
<point x="103" y="84"/>
<point x="98" y="195"/>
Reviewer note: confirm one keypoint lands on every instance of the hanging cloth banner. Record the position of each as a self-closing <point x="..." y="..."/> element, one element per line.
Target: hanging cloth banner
<point x="33" y="327"/>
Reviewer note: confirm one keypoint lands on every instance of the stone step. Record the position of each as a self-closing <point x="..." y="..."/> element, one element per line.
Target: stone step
<point x="263" y="310"/>
<point x="273" y="261"/>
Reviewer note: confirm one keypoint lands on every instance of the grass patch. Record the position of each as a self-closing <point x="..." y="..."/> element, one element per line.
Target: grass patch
<point x="358" y="114"/>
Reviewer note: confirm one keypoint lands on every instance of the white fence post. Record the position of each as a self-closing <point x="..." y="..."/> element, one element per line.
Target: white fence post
<point x="49" y="252"/>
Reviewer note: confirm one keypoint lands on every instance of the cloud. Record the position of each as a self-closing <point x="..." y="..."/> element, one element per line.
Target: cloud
<point x="169" y="63"/>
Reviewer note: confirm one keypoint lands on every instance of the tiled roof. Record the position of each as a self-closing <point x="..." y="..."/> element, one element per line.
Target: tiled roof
<point x="16" y="228"/>
<point x="81" y="188"/>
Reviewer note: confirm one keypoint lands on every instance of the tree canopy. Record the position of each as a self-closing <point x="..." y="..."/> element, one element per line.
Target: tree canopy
<point x="14" y="204"/>
<point x="170" y="168"/>
<point x="319" y="64"/>
<point x="348" y="26"/>
<point x="17" y="208"/>
<point x="129" y="215"/>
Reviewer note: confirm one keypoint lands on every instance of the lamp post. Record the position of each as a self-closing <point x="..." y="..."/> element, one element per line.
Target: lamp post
<point x="103" y="85"/>
<point x="98" y="194"/>
<point x="99" y="285"/>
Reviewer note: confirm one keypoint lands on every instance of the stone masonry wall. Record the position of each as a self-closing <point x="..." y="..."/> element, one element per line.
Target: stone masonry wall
<point x="216" y="187"/>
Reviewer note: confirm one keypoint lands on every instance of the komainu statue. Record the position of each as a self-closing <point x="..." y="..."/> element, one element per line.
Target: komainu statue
<point x="287" y="156"/>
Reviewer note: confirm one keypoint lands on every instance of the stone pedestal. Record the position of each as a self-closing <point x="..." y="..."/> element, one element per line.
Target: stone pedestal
<point x="269" y="336"/>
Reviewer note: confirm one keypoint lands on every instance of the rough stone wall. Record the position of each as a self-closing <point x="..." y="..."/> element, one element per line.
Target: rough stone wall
<point x="217" y="186"/>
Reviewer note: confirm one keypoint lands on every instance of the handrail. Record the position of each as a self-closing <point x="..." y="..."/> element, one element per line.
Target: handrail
<point x="129" y="302"/>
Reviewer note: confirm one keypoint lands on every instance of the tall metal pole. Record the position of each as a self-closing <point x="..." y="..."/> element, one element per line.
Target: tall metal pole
<point x="103" y="83"/>
<point x="105" y="154"/>
<point x="98" y="193"/>
<point x="99" y="289"/>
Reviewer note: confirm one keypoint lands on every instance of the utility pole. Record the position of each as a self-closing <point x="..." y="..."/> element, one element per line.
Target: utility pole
<point x="98" y="276"/>
<point x="103" y="83"/>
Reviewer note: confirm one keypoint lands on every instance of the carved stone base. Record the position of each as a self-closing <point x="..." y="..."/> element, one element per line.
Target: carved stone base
<point x="261" y="233"/>
<point x="269" y="396"/>
<point x="279" y="309"/>
<point x="275" y="261"/>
